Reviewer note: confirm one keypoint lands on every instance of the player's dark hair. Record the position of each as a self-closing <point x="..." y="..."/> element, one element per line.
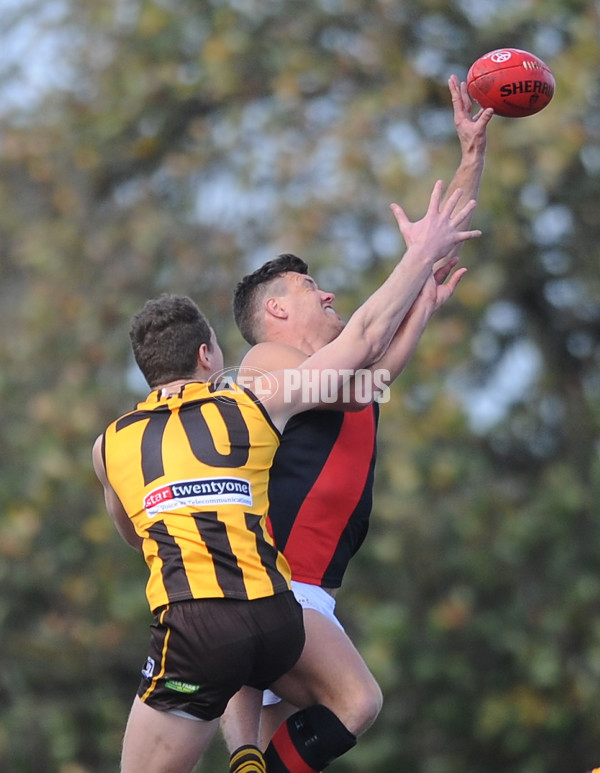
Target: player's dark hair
<point x="249" y="293"/>
<point x="165" y="336"/>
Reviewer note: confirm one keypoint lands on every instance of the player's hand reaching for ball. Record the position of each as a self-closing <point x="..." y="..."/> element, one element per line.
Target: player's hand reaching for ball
<point x="439" y="231"/>
<point x="471" y="129"/>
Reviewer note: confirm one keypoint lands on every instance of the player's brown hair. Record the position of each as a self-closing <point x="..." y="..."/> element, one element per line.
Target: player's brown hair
<point x="165" y="337"/>
<point x="251" y="290"/>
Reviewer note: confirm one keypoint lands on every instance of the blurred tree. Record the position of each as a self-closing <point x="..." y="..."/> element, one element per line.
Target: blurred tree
<point x="171" y="147"/>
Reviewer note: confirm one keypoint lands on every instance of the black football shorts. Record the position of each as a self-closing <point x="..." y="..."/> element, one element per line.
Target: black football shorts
<point x="202" y="651"/>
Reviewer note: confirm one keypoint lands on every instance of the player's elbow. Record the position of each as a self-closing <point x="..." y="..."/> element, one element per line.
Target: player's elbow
<point x="366" y="339"/>
<point x="374" y="344"/>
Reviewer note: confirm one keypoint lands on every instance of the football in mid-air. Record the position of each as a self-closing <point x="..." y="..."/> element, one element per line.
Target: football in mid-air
<point x="514" y="82"/>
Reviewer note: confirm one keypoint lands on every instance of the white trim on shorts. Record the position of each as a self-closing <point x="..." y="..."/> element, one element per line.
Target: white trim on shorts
<point x="309" y="597"/>
<point x="185" y="715"/>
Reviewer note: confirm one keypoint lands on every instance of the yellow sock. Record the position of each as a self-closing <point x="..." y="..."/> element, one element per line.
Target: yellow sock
<point x="247" y="759"/>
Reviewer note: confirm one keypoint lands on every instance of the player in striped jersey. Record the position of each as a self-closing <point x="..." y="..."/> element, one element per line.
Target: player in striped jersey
<point x="322" y="478"/>
<point x="185" y="478"/>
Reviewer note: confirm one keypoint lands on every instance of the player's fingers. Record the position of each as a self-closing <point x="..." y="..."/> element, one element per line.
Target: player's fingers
<point x="450" y="204"/>
<point x="436" y="197"/>
<point x="453" y="281"/>
<point x="447" y="259"/>
<point x="464" y="95"/>
<point x="464" y="236"/>
<point x="463" y="213"/>
<point x="446" y="291"/>
<point x="443" y="268"/>
<point x="400" y="215"/>
<point x="454" y="87"/>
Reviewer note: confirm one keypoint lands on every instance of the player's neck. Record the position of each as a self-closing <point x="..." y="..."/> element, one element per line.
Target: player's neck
<point x="172" y="388"/>
<point x="307" y="341"/>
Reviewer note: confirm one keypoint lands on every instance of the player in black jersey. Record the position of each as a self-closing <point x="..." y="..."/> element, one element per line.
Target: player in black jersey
<point x="322" y="477"/>
<point x="185" y="478"/>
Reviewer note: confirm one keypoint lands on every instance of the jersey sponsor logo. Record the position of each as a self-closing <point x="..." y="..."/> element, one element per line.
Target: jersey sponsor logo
<point x="185" y="687"/>
<point x="203" y="492"/>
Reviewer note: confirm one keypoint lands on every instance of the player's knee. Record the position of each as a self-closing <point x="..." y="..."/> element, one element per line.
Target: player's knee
<point x="369" y="706"/>
<point x="362" y="707"/>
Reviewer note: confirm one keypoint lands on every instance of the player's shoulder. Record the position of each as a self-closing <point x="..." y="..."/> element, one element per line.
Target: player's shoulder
<point x="273" y="355"/>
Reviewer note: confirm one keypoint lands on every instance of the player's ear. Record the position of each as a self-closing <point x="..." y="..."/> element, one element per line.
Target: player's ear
<point x="203" y="356"/>
<point x="276" y="308"/>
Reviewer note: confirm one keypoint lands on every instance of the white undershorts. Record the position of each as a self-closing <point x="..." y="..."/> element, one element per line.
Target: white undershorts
<point x="309" y="597"/>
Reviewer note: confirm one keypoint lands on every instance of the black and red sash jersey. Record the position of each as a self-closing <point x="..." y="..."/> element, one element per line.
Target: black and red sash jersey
<point x="321" y="491"/>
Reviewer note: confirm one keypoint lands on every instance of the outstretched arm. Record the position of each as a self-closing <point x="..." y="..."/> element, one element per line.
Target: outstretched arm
<point x="437" y="290"/>
<point x="439" y="283"/>
<point x="472" y="135"/>
<point x="371" y="328"/>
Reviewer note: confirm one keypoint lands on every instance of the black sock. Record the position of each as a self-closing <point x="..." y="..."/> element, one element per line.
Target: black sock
<point x="247" y="759"/>
<point x="311" y="738"/>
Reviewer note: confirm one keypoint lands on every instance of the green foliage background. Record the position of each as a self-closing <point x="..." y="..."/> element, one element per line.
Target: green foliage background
<point x="176" y="145"/>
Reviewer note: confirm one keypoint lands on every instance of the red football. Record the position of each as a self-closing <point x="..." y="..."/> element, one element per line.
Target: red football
<point x="514" y="82"/>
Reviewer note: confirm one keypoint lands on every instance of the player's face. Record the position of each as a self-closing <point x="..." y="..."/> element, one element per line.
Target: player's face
<point x="314" y="307"/>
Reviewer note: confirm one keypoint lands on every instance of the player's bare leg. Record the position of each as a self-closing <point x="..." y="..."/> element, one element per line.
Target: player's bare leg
<point x="331" y="672"/>
<point x="161" y="742"/>
<point x="331" y="696"/>
<point x="240" y="729"/>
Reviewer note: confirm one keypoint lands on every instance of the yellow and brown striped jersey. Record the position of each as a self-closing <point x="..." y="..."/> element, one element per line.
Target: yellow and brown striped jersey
<point x="192" y="473"/>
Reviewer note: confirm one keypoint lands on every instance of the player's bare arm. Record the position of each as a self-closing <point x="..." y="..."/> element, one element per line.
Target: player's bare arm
<point x="371" y="328"/>
<point x="276" y="355"/>
<point x="472" y="135"/>
<point x="435" y="293"/>
<point x="113" y="503"/>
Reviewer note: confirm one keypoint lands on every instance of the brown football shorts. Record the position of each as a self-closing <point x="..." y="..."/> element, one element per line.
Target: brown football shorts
<point x="203" y="650"/>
